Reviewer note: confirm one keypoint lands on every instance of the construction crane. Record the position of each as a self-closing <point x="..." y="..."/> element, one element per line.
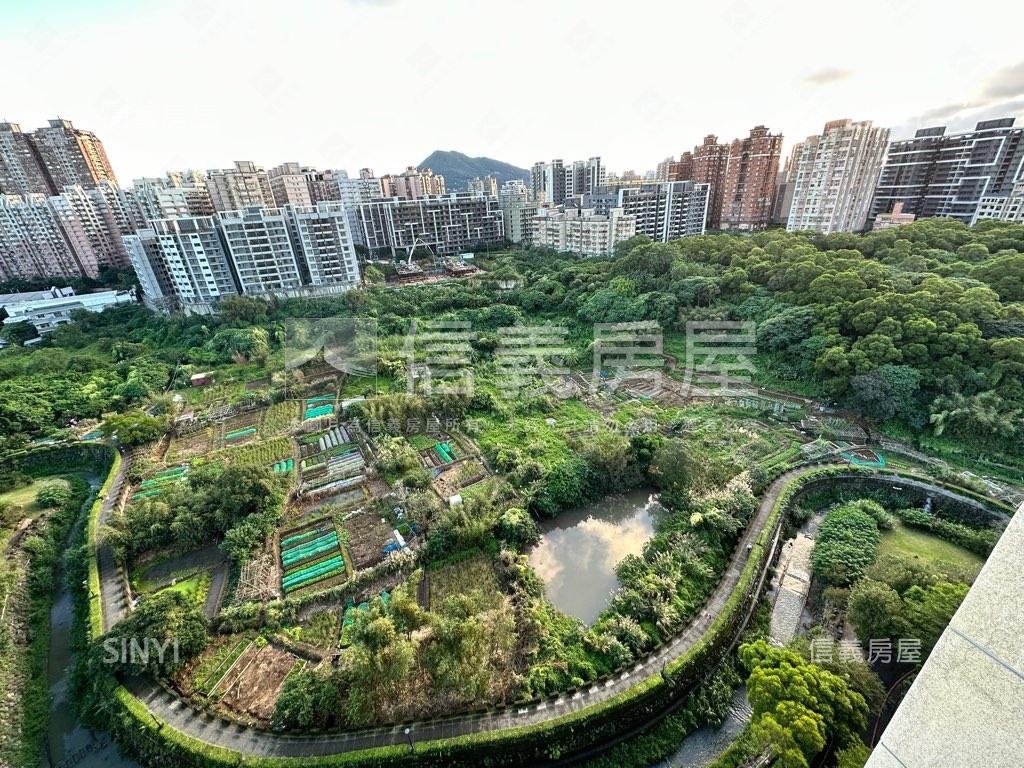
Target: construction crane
<point x="412" y="248"/>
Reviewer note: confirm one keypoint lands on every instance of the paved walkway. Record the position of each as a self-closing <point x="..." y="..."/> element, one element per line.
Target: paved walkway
<point x="250" y="741"/>
<point x="794" y="583"/>
<point x="112" y="586"/>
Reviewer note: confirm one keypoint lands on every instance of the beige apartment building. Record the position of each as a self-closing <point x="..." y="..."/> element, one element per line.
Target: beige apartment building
<point x="582" y="230"/>
<point x="243" y="186"/>
<point x="834" y="176"/>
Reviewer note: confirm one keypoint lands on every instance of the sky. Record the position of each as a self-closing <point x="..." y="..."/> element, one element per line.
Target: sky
<point x="347" y="84"/>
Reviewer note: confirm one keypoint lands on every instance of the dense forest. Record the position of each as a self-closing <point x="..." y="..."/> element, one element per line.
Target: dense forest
<point x="921" y="329"/>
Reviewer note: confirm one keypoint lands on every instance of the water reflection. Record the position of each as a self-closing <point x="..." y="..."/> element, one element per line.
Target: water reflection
<point x="579" y="549"/>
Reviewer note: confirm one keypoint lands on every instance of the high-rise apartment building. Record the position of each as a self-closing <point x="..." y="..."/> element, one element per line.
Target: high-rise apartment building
<point x="582" y="230"/>
<point x="182" y="264"/>
<point x="324" y="244"/>
<point x="175" y="195"/>
<point x="71" y="156"/>
<point x="547" y="181"/>
<point x="486" y="185"/>
<point x="940" y="174"/>
<point x="785" y="183"/>
<point x="517" y="211"/>
<point x="585" y="177"/>
<point x="73" y="234"/>
<point x="446" y="225"/>
<point x="708" y="166"/>
<point x="412" y="183"/>
<point x="553" y="182"/>
<point x="289" y="184"/>
<point x="33" y="244"/>
<point x="21" y="170"/>
<point x="748" y="186"/>
<point x="261" y="250"/>
<point x="834" y="176"/>
<point x="681" y="169"/>
<point x="243" y="186"/>
<point x="1002" y="208"/>
<point x="190" y="263"/>
<point x="354" y="193"/>
<point x="94" y="221"/>
<point x="666" y="211"/>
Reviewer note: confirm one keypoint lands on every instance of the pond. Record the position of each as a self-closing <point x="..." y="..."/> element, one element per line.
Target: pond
<point x="579" y="549"/>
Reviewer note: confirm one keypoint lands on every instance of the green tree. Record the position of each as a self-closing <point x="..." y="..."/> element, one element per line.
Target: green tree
<point x="876" y="611"/>
<point x="799" y="706"/>
<point x="53" y="495"/>
<point x="134" y="427"/>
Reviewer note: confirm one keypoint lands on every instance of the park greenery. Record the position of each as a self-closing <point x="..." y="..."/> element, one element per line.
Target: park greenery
<point x="919" y="332"/>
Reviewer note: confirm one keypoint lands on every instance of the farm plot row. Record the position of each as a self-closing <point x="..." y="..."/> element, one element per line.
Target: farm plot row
<point x="310" y="555"/>
<point x="242" y="676"/>
<point x="157" y="483"/>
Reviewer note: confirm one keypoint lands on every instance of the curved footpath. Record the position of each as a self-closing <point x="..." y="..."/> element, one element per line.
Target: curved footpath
<point x="211" y="729"/>
<point x="214" y="730"/>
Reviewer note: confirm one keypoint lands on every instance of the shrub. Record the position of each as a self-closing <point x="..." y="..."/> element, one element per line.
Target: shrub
<point x="846" y="545"/>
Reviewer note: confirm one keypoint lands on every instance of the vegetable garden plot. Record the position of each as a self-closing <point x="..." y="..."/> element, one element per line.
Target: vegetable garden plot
<point x="259" y="453"/>
<point x="318" y="406"/>
<point x="368" y="536"/>
<point x="158" y="483"/>
<point x="189" y="446"/>
<point x="440" y="454"/>
<point x="338" y="464"/>
<point x="254" y="682"/>
<point x="280" y="418"/>
<point x="241" y="427"/>
<point x="310" y="555"/>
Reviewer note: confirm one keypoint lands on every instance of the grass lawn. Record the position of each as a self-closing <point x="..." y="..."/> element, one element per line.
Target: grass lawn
<point x="194" y="587"/>
<point x="947" y="557"/>
<point x="22" y="502"/>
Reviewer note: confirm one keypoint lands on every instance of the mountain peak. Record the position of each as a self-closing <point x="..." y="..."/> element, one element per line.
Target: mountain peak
<point x="458" y="168"/>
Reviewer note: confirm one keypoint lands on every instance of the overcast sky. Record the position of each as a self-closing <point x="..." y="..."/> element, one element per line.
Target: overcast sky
<point x="382" y="83"/>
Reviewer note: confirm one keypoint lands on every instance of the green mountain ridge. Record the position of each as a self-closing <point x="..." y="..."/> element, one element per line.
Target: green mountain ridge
<point x="458" y="168"/>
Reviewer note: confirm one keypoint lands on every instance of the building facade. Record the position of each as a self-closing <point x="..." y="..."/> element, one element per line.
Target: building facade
<point x="446" y="225"/>
<point x="940" y="174"/>
<point x="243" y="186"/>
<point x="1008" y="208"/>
<point x="748" y="185"/>
<point x="176" y="195"/>
<point x="33" y="242"/>
<point x="21" y="170"/>
<point x="412" y="183"/>
<point x="666" y="211"/>
<point x="47" y="310"/>
<point x="486" y="185"/>
<point x="260" y="249"/>
<point x="548" y="182"/>
<point x="71" y="156"/>
<point x="182" y="264"/>
<point x="555" y="181"/>
<point x="709" y="163"/>
<point x="289" y="184"/>
<point x="834" y="176"/>
<point x="354" y="193"/>
<point x="893" y="219"/>
<point x="582" y="230"/>
<point x="517" y="211"/>
<point x="324" y="244"/>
